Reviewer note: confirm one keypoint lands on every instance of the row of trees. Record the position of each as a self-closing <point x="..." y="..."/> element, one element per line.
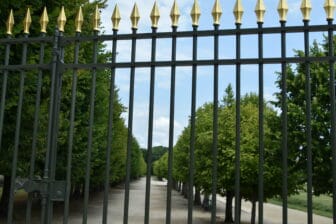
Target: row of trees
<point x="249" y="143"/>
<point x="80" y="142"/>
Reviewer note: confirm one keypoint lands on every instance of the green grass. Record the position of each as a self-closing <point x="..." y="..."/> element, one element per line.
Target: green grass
<point x="322" y="205"/>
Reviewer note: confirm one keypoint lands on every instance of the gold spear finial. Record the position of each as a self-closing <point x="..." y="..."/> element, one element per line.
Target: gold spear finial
<point x="44" y="20"/>
<point x="195" y="13"/>
<point x="306" y="9"/>
<point x="61" y="20"/>
<point x="135" y="16"/>
<point x="79" y="20"/>
<point x="155" y="15"/>
<point x="217" y="12"/>
<point x="329" y="7"/>
<point x="26" y="22"/>
<point x="96" y="19"/>
<point x="283" y="10"/>
<point x="175" y="14"/>
<point x="10" y="23"/>
<point x="238" y="11"/>
<point x="260" y="10"/>
<point x="116" y="17"/>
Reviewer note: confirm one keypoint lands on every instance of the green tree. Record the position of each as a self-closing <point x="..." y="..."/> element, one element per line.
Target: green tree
<point x="249" y="146"/>
<point x="320" y="119"/>
<point x="119" y="134"/>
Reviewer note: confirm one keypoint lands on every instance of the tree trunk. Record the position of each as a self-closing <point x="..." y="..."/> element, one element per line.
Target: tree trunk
<point x="253" y="212"/>
<point x="5" y="195"/>
<point x="228" y="209"/>
<point x="197" y="197"/>
<point x="206" y="204"/>
<point x="185" y="190"/>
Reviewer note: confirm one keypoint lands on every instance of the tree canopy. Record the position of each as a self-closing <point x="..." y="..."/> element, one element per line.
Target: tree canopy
<point x="119" y="130"/>
<point x="320" y="119"/>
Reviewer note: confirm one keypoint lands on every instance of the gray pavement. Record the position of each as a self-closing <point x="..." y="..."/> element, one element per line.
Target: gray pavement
<point x="272" y="213"/>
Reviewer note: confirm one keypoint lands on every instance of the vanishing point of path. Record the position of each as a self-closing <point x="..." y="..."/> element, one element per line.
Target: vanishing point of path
<point x="272" y="213"/>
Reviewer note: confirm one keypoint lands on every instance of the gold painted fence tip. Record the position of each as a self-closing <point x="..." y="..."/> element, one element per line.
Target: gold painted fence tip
<point x="175" y="14"/>
<point x="329" y="7"/>
<point x="195" y="13"/>
<point x="27" y="22"/>
<point x="116" y="18"/>
<point x="238" y="11"/>
<point x="79" y="20"/>
<point x="96" y="19"/>
<point x="44" y="20"/>
<point x="283" y="10"/>
<point x="10" y="23"/>
<point x="260" y="10"/>
<point x="155" y="15"/>
<point x="216" y="12"/>
<point x="306" y="8"/>
<point x="135" y="17"/>
<point x="61" y="20"/>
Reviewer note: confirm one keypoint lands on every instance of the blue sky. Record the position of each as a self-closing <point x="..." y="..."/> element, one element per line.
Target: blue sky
<point x="205" y="51"/>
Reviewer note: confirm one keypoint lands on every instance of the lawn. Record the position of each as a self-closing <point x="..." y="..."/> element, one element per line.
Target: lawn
<point x="322" y="205"/>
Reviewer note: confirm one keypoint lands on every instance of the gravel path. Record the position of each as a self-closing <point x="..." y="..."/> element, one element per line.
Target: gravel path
<point x="272" y="213"/>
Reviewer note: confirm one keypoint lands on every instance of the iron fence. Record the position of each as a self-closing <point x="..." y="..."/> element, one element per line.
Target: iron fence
<point x="52" y="190"/>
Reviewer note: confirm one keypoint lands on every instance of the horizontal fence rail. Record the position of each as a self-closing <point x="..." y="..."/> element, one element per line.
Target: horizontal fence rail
<point x="27" y="78"/>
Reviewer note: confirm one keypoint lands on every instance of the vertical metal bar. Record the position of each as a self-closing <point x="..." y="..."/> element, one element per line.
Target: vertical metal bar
<point x="150" y="127"/>
<point x="90" y="132"/>
<point x="130" y="129"/>
<point x="215" y="129"/>
<point x="46" y="172"/>
<point x="332" y="111"/>
<point x="71" y="133"/>
<point x="110" y="123"/>
<point x="261" y="127"/>
<point x="4" y="90"/>
<point x="171" y="127"/>
<point x="55" y="126"/>
<point x="308" y="127"/>
<point x="17" y="135"/>
<point x="193" y="131"/>
<point x="284" y="141"/>
<point x="237" y="151"/>
<point x="35" y="130"/>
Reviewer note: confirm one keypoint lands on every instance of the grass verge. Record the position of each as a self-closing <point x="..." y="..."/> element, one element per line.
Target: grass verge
<point x="322" y="205"/>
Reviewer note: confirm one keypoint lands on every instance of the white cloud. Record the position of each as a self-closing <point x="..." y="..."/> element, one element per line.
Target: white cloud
<point x="161" y="131"/>
<point x="145" y="9"/>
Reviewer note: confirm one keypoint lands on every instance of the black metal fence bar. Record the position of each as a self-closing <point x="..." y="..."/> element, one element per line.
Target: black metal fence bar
<point x="51" y="117"/>
<point x="332" y="111"/>
<point x="55" y="127"/>
<point x="284" y="148"/>
<point x="17" y="136"/>
<point x="110" y="129"/>
<point x="35" y="131"/>
<point x="71" y="134"/>
<point x="90" y="134"/>
<point x="261" y="129"/>
<point x="193" y="129"/>
<point x="4" y="90"/>
<point x="237" y="143"/>
<point x="150" y="129"/>
<point x="130" y="130"/>
<point x="171" y="128"/>
<point x="180" y="63"/>
<point x="215" y="131"/>
<point x="308" y="129"/>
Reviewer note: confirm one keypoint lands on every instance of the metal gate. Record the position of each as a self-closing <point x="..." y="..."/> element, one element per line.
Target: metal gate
<point x="49" y="190"/>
